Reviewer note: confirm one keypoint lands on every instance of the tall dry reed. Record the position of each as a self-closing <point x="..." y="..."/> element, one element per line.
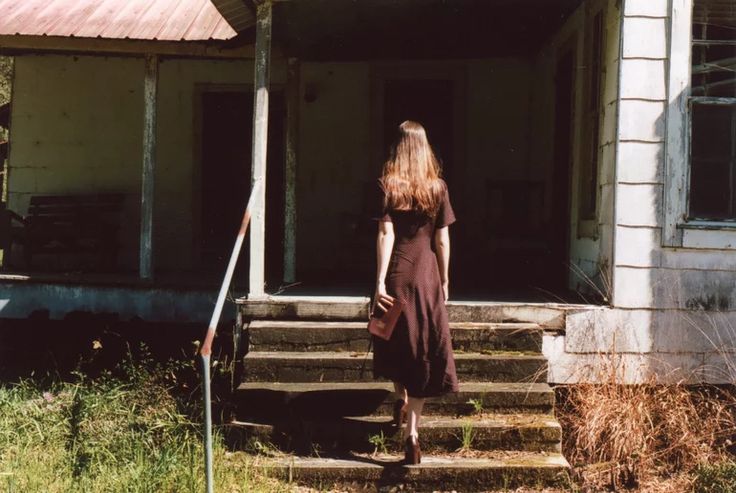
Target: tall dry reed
<point x="626" y="436"/>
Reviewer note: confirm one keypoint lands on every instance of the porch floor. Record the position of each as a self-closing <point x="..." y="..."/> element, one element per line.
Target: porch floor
<point x="182" y="280"/>
<point x="207" y="280"/>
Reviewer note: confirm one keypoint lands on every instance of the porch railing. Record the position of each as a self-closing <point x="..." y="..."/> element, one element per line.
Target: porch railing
<point x="206" y="350"/>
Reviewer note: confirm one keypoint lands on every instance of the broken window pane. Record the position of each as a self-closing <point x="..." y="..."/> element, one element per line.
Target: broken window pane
<point x="714" y="48"/>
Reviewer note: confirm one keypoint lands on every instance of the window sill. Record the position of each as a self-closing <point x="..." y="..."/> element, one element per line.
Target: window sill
<point x="712" y="235"/>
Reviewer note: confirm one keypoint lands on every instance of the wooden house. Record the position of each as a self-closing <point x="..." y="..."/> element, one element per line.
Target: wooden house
<point x="588" y="146"/>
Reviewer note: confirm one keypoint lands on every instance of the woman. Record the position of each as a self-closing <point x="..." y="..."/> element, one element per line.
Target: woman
<point x="415" y="209"/>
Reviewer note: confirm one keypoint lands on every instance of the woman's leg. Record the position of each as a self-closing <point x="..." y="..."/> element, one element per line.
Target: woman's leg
<point x="400" y="399"/>
<point x="414" y="413"/>
<point x="399" y="391"/>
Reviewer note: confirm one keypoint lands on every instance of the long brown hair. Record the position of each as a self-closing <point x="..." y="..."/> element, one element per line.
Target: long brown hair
<point x="411" y="175"/>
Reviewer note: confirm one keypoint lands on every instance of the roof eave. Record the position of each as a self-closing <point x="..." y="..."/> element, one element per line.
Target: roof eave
<point x="19" y="44"/>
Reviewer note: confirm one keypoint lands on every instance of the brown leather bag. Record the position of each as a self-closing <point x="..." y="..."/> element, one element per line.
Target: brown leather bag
<point x="383" y="326"/>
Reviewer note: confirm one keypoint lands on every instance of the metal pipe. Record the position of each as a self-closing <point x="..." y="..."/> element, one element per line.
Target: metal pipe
<point x="206" y="350"/>
<point x="207" y="424"/>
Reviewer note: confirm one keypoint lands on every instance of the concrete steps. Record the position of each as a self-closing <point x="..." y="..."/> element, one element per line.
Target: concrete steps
<point x="308" y="389"/>
<point x="440" y="434"/>
<point x="327" y="366"/>
<point x="286" y="335"/>
<point x="493" y="471"/>
<point x="320" y="399"/>
<point x="351" y="308"/>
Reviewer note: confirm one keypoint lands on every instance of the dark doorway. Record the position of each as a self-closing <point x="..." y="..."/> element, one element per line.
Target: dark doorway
<point x="559" y="231"/>
<point x="227" y="134"/>
<point x="429" y="102"/>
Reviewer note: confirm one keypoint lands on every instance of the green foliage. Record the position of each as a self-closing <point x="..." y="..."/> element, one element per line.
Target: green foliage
<point x="477" y="405"/>
<point x="715" y="478"/>
<point x="468" y="436"/>
<point x="111" y="434"/>
<point x="379" y="442"/>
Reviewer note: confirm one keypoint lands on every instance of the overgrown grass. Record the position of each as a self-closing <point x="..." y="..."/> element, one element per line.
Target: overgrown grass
<point x="112" y="434"/>
<point x="715" y="478"/>
<point x="647" y="437"/>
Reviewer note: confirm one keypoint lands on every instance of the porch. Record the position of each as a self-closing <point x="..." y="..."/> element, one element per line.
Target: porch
<point x="519" y="112"/>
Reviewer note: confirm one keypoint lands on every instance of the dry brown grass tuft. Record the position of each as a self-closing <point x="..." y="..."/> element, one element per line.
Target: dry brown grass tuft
<point x="634" y="436"/>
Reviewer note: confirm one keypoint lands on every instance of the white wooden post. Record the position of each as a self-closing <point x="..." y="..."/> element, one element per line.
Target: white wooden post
<point x="677" y="153"/>
<point x="292" y="139"/>
<point x="260" y="146"/>
<point x="150" y="89"/>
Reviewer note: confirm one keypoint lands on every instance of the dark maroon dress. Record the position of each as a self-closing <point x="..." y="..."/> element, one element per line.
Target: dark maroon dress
<point x="419" y="353"/>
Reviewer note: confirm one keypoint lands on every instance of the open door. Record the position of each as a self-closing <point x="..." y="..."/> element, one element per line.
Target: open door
<point x="227" y="134"/>
<point x="559" y="231"/>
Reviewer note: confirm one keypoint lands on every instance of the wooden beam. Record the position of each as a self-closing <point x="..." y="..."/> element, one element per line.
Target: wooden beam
<point x="260" y="146"/>
<point x="19" y="44"/>
<point x="677" y="147"/>
<point x="292" y="142"/>
<point x="150" y="90"/>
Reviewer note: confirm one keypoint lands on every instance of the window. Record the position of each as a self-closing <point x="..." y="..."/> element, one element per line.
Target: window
<point x="713" y="111"/>
<point x="591" y="117"/>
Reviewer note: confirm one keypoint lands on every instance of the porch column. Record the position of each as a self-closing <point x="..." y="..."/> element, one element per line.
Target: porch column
<point x="292" y="139"/>
<point x="150" y="90"/>
<point x="260" y="145"/>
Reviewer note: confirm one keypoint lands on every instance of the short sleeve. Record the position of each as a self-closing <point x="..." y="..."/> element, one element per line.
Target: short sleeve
<point x="445" y="214"/>
<point x="379" y="212"/>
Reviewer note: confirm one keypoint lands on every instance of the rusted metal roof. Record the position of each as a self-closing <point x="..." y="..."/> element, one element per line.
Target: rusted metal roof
<point x="169" y="20"/>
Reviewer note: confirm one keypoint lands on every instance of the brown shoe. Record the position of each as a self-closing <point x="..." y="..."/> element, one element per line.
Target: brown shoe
<point x="412" y="452"/>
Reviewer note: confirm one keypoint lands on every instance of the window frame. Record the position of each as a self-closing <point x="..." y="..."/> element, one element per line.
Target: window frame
<point x="679" y="229"/>
<point x="592" y="115"/>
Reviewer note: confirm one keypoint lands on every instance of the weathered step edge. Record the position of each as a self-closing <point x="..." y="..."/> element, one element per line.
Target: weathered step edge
<point x="277" y="399"/>
<point x="536" y="470"/>
<point x="273" y="335"/>
<point x="530" y="432"/>
<point x="281" y="366"/>
<point x="547" y="315"/>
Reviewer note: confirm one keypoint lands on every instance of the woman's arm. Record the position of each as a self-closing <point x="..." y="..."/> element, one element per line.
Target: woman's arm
<point x="384" y="246"/>
<point x="442" y="245"/>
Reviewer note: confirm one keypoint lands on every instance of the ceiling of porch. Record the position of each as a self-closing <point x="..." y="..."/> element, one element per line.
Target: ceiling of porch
<point x="410" y="29"/>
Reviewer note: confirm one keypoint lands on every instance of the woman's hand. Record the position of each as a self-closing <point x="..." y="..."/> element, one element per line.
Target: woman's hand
<point x="381" y="298"/>
<point x="446" y="290"/>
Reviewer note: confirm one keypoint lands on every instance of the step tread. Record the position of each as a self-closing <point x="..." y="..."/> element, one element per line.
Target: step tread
<point x="310" y="335"/>
<point x="495" y="459"/>
<point x="499" y="470"/>
<point x="487" y="421"/>
<point x="354" y="355"/>
<point x="465" y="387"/>
<point x="550" y="315"/>
<point x="312" y="324"/>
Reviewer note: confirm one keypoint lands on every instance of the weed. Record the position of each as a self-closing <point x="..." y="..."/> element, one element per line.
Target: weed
<point x="379" y="442"/>
<point x="468" y="436"/>
<point x="262" y="447"/>
<point x="477" y="405"/>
